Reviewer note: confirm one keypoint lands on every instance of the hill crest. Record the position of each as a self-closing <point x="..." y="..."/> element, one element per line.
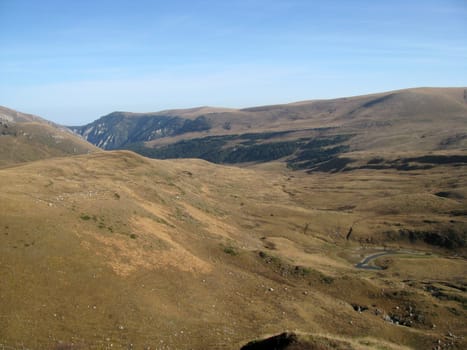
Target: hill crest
<point x="26" y="137"/>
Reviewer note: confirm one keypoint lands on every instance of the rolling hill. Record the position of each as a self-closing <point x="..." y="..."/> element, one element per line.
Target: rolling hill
<point x="344" y="227"/>
<point x="113" y="250"/>
<point x="25" y="137"/>
<point x="344" y="133"/>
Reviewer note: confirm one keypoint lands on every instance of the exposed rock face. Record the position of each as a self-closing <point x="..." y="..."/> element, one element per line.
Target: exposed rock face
<point x="120" y="129"/>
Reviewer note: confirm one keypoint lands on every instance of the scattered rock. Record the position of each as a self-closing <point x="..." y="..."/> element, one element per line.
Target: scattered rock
<point x="359" y="308"/>
<point x="387" y="318"/>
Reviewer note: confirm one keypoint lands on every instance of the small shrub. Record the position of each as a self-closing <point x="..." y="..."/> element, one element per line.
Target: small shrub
<point x="133" y="236"/>
<point x="327" y="279"/>
<point x="85" y="217"/>
<point x="230" y="250"/>
<point x="270" y="259"/>
<point x="302" y="271"/>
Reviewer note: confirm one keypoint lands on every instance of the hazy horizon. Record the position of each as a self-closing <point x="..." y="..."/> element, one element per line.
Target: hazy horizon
<point x="74" y="62"/>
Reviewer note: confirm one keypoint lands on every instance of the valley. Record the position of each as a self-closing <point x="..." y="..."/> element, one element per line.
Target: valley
<point x="109" y="249"/>
<point x="170" y="253"/>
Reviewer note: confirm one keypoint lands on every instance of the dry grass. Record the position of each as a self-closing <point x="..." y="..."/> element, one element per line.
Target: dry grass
<point x="394" y="122"/>
<point x="113" y="248"/>
<point x="32" y="138"/>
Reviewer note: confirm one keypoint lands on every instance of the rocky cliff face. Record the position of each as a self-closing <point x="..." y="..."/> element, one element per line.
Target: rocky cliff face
<point x="120" y="129"/>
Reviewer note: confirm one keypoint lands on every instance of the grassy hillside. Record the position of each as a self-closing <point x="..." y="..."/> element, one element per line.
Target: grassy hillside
<point x="113" y="250"/>
<point x="25" y="137"/>
<point x="303" y="134"/>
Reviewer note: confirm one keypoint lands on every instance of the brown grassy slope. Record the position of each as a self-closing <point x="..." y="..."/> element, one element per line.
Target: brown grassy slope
<point x="112" y="249"/>
<point x="414" y="120"/>
<point x="10" y="115"/>
<point x="25" y="137"/>
<point x="422" y="119"/>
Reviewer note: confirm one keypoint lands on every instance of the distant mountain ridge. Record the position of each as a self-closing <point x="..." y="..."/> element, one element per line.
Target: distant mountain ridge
<point x="26" y="137"/>
<point x="118" y="129"/>
<point x="11" y="115"/>
<point x="304" y="134"/>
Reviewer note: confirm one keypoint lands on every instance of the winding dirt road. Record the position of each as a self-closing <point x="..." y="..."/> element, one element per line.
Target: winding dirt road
<point x="364" y="263"/>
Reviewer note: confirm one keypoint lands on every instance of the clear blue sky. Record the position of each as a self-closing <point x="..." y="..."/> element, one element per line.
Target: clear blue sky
<point x="73" y="61"/>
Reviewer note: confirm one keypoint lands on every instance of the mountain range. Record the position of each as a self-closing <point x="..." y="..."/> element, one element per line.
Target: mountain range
<point x="312" y="135"/>
<point x="330" y="224"/>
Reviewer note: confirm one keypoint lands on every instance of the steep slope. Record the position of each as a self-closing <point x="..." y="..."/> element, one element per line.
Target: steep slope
<point x="407" y="122"/>
<point x="119" y="129"/>
<point x="25" y="137"/>
<point x="113" y="250"/>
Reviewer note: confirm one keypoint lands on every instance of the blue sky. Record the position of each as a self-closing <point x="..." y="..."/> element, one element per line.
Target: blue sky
<point x="74" y="61"/>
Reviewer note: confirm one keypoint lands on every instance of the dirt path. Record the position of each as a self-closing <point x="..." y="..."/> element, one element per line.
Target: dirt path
<point x="364" y="263"/>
